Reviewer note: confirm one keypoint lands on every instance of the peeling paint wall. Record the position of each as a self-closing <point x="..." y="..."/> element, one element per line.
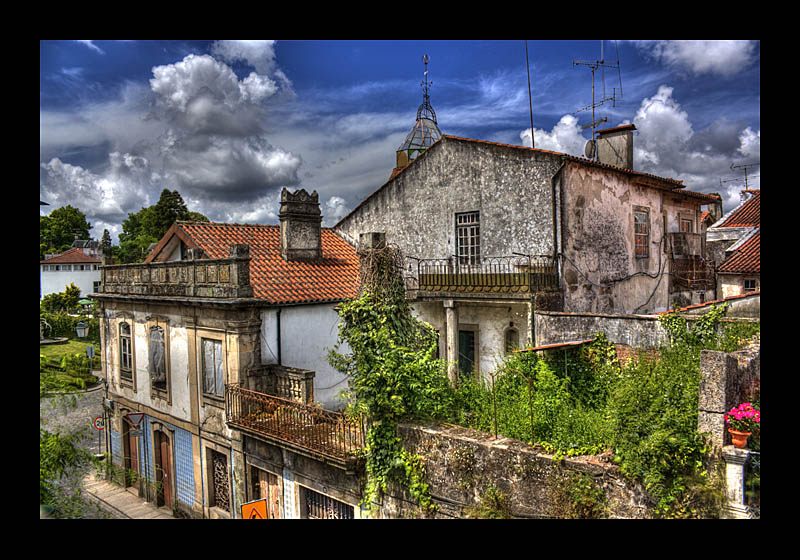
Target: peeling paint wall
<point x="600" y="271"/>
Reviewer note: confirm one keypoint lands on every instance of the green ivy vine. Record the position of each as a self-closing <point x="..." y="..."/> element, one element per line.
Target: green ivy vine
<point x="392" y="375"/>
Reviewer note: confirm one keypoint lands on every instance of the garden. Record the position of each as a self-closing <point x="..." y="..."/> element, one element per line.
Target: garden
<point x="569" y="402"/>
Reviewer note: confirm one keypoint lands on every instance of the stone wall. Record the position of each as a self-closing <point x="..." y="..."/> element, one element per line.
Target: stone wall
<point x="462" y="465"/>
<point x="727" y="380"/>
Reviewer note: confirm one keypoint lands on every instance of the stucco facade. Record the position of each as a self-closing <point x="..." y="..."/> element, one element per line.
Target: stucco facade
<point x="609" y="234"/>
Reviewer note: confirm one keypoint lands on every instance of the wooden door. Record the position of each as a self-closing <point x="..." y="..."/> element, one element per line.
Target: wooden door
<point x="265" y="486"/>
<point x="131" y="449"/>
<point x="163" y="470"/>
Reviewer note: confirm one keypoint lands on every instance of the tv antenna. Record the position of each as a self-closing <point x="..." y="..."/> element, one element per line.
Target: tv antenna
<point x="745" y="166"/>
<point x="594" y="65"/>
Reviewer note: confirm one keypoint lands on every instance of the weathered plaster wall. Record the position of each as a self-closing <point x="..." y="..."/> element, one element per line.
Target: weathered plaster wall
<point x="600" y="271"/>
<point x="509" y="186"/>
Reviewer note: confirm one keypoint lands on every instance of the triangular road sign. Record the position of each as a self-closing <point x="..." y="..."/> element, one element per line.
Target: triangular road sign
<point x="135" y="418"/>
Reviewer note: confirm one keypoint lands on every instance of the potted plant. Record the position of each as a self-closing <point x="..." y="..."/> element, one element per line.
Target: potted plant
<point x="742" y="421"/>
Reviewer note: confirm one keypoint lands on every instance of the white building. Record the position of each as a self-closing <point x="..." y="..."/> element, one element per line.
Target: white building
<point x="72" y="266"/>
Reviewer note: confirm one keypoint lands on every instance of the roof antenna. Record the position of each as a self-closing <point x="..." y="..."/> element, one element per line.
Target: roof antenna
<point x="602" y="65"/>
<point x="530" y="100"/>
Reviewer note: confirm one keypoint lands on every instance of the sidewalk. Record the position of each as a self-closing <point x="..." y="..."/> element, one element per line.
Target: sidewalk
<point x="120" y="502"/>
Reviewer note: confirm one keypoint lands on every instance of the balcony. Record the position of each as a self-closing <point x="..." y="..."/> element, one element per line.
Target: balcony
<point x="332" y="437"/>
<point x="693" y="273"/>
<point x="507" y="274"/>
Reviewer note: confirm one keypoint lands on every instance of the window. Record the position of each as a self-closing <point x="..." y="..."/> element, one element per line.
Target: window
<point x="319" y="506"/>
<point x="641" y="231"/>
<point x="158" y="362"/>
<point x="687" y="226"/>
<point x="749" y="285"/>
<point x="512" y="340"/>
<point x="468" y="238"/>
<point x="218" y="487"/>
<point x="125" y="361"/>
<point x="213" y="370"/>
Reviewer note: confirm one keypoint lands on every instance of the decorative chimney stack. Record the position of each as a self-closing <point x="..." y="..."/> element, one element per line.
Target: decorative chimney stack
<point x="301" y="226"/>
<point x="615" y="146"/>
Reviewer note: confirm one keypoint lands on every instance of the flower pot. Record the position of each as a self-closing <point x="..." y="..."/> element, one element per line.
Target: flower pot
<point x="739" y="438"/>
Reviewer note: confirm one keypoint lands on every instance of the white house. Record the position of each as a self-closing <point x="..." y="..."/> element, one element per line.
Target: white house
<point x="72" y="266"/>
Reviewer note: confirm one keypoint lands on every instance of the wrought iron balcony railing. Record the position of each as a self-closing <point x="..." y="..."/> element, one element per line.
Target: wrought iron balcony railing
<point x="324" y="434"/>
<point x="515" y="273"/>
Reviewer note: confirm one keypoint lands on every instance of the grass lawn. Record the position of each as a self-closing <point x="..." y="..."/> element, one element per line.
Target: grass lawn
<point x="55" y="352"/>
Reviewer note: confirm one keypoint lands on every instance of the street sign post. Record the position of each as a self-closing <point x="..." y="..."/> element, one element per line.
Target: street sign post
<point x="99" y="423"/>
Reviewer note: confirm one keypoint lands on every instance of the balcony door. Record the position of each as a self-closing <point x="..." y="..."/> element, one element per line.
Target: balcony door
<point x="265" y="487"/>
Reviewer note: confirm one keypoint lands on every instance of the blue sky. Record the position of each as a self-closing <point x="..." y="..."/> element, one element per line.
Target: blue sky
<point x="228" y="123"/>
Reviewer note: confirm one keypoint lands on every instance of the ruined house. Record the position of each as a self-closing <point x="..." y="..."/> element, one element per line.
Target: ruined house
<point x="492" y="232"/>
<point x="219" y="341"/>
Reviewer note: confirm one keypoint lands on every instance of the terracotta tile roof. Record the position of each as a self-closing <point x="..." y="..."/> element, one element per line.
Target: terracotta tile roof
<point x="746" y="259"/>
<point x="74" y="255"/>
<point x="747" y="215"/>
<point x="332" y="278"/>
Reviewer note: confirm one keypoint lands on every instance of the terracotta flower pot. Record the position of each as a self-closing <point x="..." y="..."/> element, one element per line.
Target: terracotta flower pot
<point x="739" y="438"/>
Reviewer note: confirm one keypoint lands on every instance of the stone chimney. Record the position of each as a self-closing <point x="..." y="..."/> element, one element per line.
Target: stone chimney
<point x="301" y="226"/>
<point x="615" y="146"/>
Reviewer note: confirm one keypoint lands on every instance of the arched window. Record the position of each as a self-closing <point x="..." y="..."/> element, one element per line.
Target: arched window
<point x="125" y="354"/>
<point x="158" y="363"/>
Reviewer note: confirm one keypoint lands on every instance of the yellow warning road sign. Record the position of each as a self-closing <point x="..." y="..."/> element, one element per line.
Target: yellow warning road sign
<point x="255" y="510"/>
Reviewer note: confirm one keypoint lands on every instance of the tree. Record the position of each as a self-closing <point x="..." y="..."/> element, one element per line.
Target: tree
<point x="105" y="242"/>
<point x="60" y="228"/>
<point x="149" y="224"/>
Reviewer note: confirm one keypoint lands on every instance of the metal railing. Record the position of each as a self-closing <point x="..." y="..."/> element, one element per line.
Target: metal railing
<point x="332" y="434"/>
<point x="515" y="273"/>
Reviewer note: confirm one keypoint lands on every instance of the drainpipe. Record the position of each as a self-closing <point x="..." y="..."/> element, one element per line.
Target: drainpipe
<point x="279" y="336"/>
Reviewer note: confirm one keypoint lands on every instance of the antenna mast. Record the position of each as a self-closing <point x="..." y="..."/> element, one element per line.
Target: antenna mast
<point x="745" y="166"/>
<point x="593" y="66"/>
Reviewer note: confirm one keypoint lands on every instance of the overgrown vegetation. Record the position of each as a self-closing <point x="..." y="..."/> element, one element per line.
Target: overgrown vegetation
<point x="392" y="374"/>
<point x="572" y="401"/>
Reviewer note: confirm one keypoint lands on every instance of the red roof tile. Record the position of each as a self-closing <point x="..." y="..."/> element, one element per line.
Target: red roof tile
<point x="332" y="278"/>
<point x="747" y="215"/>
<point x="74" y="255"/>
<point x="746" y="259"/>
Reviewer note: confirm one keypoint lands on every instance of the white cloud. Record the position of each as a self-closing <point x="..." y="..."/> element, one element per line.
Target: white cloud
<point x="715" y="57"/>
<point x="564" y="138"/>
<point x="90" y="43"/>
<point x="663" y="128"/>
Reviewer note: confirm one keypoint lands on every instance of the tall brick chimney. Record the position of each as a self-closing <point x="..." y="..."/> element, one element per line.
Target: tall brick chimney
<point x="301" y="226"/>
<point x="615" y="146"/>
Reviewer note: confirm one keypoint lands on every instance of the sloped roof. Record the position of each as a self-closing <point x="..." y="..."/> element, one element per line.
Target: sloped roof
<point x="746" y="259"/>
<point x="334" y="277"/>
<point x="74" y="255"/>
<point x="747" y="214"/>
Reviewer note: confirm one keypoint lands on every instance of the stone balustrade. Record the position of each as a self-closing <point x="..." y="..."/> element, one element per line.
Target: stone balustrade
<point x="195" y="277"/>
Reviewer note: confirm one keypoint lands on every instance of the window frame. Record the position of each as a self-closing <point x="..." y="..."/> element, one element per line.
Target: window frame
<point x="641" y="239"/>
<point x="122" y="351"/>
<point x="468" y="237"/>
<point x="202" y="355"/>
<point x="165" y="393"/>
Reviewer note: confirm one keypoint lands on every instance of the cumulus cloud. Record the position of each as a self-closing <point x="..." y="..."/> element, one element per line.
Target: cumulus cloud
<point x="715" y="57"/>
<point x="197" y="129"/>
<point x="565" y="137"/>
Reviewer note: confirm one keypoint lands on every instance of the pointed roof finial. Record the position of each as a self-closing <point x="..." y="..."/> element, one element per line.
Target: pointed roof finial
<point x="426" y="110"/>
